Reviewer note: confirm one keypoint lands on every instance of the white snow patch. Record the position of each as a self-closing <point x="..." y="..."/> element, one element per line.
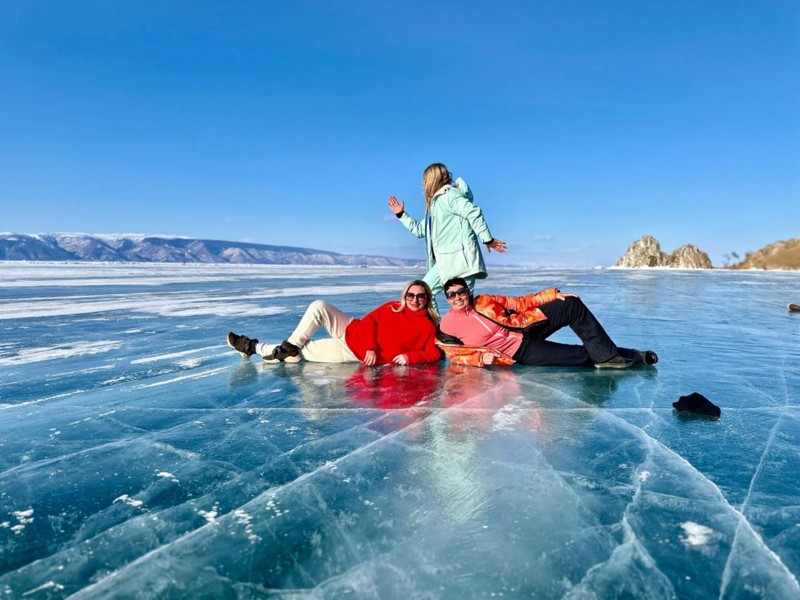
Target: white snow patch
<point x="175" y="304"/>
<point x="30" y="402"/>
<point x="243" y="518"/>
<point x="274" y="507"/>
<point x="81" y="371"/>
<point x="59" y="274"/>
<point x="166" y="303"/>
<point x="190" y="363"/>
<point x="23" y="516"/>
<point x="128" y="500"/>
<point x="696" y="534"/>
<point x="209" y="515"/>
<point x="193" y="376"/>
<point x="50" y="585"/>
<point x="171" y="355"/>
<point x="506" y="418"/>
<point x="167" y="475"/>
<point x="32" y="355"/>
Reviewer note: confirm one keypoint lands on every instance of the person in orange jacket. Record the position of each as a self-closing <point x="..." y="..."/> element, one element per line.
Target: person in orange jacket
<point x="491" y="329"/>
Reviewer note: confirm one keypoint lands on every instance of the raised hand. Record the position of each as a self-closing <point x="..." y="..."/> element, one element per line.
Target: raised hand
<point x="496" y="245"/>
<point x="397" y="206"/>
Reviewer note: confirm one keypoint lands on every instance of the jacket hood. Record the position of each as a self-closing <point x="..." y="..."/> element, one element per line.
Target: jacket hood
<point x="459" y="188"/>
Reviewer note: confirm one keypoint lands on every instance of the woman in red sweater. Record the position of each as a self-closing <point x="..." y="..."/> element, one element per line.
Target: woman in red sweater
<point x="401" y="332"/>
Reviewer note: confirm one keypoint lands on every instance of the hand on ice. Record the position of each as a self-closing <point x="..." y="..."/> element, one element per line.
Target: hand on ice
<point x="400" y="359"/>
<point x="396" y="205"/>
<point x="487" y="358"/>
<point x="370" y="357"/>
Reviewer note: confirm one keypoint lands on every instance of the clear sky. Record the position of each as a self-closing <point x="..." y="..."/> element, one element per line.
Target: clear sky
<point x="580" y="125"/>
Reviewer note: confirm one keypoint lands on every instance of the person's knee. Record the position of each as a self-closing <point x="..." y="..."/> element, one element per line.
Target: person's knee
<point x="574" y="303"/>
<point x="318" y="306"/>
<point x="574" y="307"/>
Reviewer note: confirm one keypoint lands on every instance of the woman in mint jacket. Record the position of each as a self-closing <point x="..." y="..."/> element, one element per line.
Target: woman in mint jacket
<point x="453" y="229"/>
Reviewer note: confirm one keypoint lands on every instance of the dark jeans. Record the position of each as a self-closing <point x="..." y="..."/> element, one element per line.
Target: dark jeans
<point x="597" y="345"/>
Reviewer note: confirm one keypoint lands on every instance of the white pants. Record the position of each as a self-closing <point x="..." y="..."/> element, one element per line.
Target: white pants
<point x="334" y="349"/>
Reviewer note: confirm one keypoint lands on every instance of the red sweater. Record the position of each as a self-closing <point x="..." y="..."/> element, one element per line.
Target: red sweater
<point x="390" y="333"/>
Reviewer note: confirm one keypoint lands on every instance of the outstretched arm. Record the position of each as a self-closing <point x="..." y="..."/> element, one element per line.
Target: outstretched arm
<point x="398" y="207"/>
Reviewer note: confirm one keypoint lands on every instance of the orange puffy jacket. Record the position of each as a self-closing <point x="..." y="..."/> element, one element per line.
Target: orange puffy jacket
<point x="519" y="313"/>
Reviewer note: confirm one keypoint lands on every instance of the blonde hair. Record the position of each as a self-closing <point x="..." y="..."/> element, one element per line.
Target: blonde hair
<point x="433" y="178"/>
<point x="434" y="316"/>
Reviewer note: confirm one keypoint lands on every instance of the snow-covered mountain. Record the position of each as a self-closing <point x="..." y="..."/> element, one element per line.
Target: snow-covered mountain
<point x="154" y="248"/>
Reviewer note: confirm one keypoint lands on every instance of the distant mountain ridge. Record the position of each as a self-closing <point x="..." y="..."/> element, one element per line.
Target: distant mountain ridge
<point x="157" y="248"/>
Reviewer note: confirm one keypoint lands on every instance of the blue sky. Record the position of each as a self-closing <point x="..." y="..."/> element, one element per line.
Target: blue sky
<point x="579" y="125"/>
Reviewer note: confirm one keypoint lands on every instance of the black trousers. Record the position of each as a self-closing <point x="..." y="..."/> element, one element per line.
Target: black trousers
<point x="597" y="346"/>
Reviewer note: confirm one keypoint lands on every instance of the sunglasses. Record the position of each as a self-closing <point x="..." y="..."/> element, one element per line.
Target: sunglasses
<point x="463" y="292"/>
<point x="418" y="297"/>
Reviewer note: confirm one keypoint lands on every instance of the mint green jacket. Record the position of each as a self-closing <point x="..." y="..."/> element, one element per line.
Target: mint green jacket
<point x="453" y="229"/>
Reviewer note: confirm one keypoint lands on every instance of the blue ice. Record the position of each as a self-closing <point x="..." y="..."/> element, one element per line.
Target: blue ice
<point x="141" y="458"/>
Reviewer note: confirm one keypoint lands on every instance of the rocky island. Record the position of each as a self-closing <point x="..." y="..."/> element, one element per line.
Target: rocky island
<point x="647" y="252"/>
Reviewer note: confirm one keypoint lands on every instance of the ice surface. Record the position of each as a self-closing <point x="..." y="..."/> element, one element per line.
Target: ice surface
<point x="140" y="457"/>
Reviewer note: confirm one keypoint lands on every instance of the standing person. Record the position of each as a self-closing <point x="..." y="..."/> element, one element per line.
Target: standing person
<point x="453" y="229"/>
<point x="491" y="329"/>
<point x="401" y="332"/>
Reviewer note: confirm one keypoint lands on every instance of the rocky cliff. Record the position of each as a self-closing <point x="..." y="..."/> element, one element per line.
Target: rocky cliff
<point x="783" y="255"/>
<point x="689" y="256"/>
<point x="647" y="252"/>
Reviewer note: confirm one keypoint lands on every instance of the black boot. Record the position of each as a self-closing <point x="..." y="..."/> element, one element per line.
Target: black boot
<point x="648" y="357"/>
<point x="242" y="344"/>
<point x="615" y="362"/>
<point x="285" y="350"/>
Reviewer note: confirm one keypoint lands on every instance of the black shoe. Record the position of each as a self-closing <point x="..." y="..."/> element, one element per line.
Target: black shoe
<point x="242" y="344"/>
<point x="283" y="351"/>
<point x="649" y="357"/>
<point x="616" y="362"/>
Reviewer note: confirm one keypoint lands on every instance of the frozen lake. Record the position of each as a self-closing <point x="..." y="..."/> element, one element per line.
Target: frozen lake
<point x="143" y="458"/>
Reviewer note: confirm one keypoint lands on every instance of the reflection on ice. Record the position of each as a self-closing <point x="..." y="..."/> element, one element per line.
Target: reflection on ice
<point x="167" y="467"/>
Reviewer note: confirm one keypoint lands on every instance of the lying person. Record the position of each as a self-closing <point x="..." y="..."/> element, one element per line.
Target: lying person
<point x="401" y="332"/>
<point x="505" y="330"/>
